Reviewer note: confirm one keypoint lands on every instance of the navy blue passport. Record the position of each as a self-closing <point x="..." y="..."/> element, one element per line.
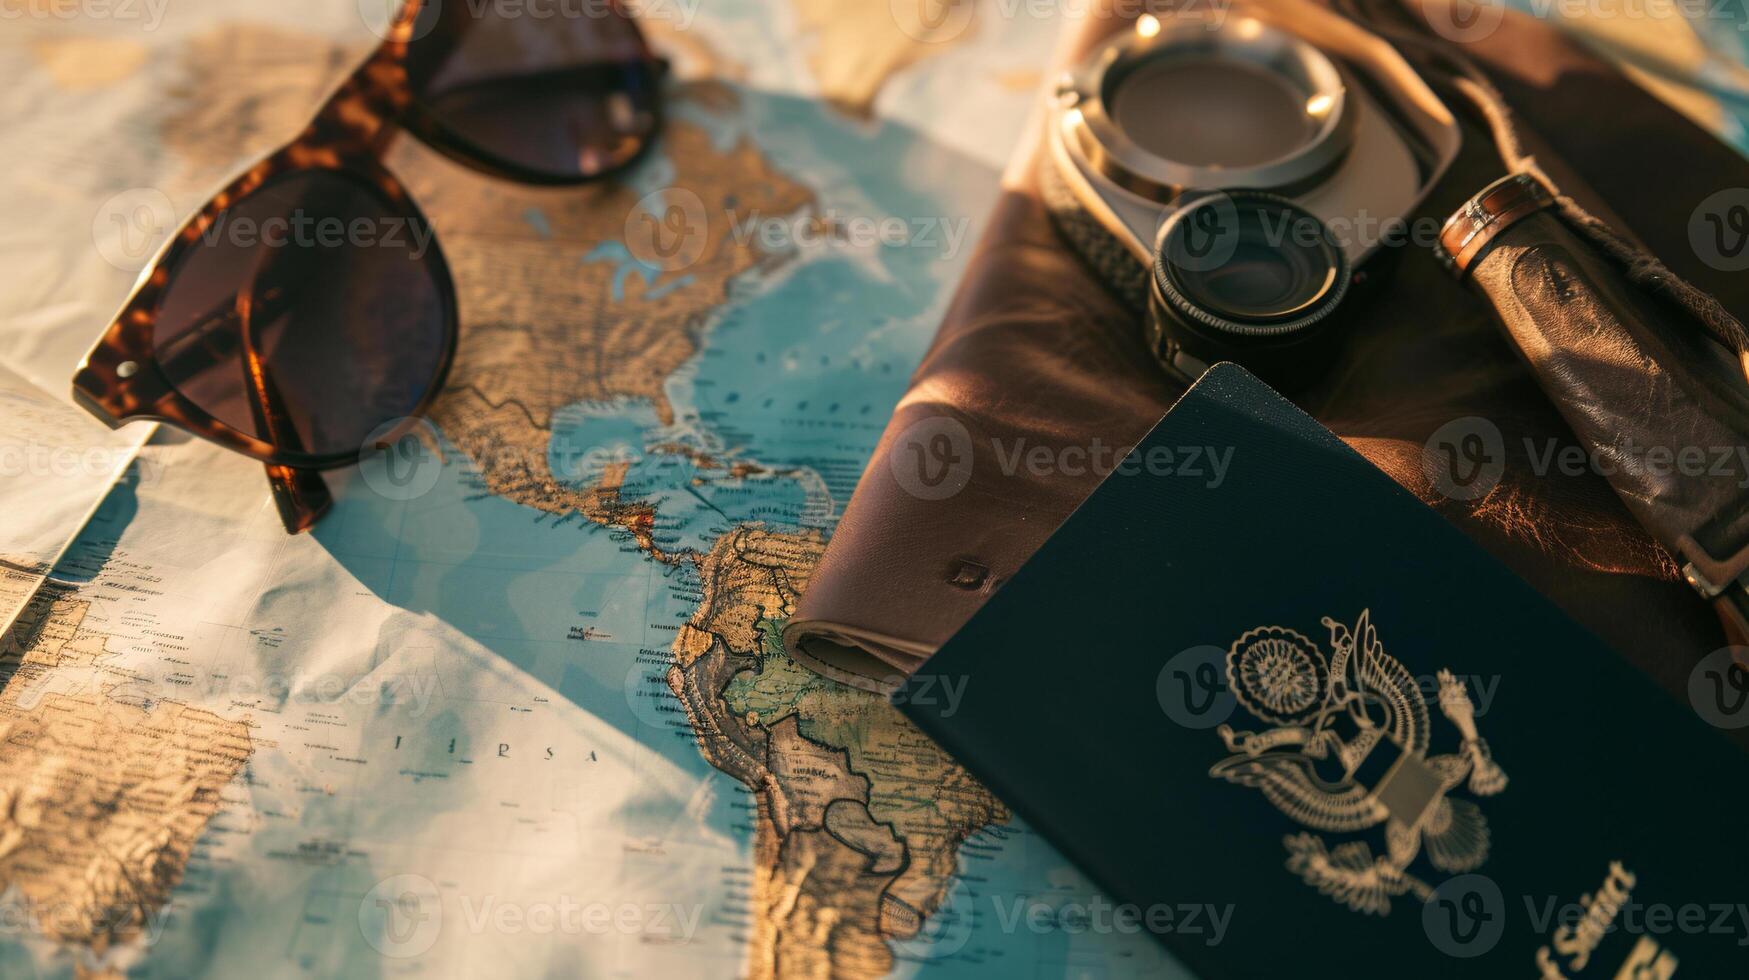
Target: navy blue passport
<point x="1284" y="691"/>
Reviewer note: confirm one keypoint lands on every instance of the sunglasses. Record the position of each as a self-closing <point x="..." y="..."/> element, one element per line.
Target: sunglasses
<point x="306" y="316"/>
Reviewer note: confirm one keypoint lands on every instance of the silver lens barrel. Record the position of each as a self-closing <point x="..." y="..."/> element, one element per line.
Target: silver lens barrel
<point x="1191" y="104"/>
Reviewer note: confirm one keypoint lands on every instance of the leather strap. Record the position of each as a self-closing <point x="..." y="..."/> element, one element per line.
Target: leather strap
<point x="1631" y="373"/>
<point x="1486" y="216"/>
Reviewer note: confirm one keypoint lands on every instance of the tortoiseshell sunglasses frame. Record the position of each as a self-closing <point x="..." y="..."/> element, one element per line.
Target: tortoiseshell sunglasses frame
<point x="120" y="380"/>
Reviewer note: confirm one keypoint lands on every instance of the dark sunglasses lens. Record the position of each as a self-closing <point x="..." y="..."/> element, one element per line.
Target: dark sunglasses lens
<point x="565" y="91"/>
<point x="308" y="315"/>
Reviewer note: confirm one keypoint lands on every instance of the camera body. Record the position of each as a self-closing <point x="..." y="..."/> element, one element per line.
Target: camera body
<point x="1252" y="173"/>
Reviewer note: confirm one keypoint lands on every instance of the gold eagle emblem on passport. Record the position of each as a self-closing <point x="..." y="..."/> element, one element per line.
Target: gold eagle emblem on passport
<point x="1346" y="751"/>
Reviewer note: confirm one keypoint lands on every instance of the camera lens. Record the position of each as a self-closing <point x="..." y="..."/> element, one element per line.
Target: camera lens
<point x="1247" y="277"/>
<point x="1262" y="282"/>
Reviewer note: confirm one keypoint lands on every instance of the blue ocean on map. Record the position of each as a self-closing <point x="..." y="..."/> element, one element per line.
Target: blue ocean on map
<point x="799" y="377"/>
<point x="795" y="378"/>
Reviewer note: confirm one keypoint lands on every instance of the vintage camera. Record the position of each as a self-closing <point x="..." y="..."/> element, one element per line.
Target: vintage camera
<point x="1248" y="175"/>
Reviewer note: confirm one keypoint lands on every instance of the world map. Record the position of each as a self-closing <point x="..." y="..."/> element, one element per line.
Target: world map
<point x="519" y="705"/>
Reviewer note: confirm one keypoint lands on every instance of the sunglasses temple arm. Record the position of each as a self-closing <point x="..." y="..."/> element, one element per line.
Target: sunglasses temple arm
<point x="300" y="495"/>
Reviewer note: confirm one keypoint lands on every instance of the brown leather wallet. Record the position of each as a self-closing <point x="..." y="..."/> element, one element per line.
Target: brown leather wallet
<point x="1038" y="359"/>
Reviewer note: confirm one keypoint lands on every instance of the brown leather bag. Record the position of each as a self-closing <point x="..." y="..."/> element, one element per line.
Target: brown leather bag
<point x="1036" y="352"/>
